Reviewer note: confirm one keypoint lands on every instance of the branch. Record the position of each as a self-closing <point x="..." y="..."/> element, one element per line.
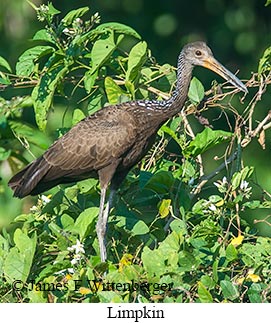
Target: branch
<point x="265" y="220"/>
<point x="263" y="125"/>
<point x="204" y="179"/>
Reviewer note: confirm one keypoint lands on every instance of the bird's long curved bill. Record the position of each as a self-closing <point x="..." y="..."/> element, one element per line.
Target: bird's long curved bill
<point x="212" y="64"/>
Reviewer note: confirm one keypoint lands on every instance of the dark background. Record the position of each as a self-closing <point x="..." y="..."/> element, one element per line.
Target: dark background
<point x="238" y="30"/>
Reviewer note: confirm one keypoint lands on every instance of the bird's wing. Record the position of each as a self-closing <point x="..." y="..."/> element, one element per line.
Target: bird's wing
<point x="92" y="144"/>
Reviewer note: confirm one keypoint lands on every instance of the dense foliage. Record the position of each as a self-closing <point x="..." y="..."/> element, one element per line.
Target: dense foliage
<point x="180" y="230"/>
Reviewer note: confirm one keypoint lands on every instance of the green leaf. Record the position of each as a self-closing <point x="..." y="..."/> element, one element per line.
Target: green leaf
<point x="90" y="79"/>
<point x="169" y="249"/>
<point x="196" y="91"/>
<point x="168" y="78"/>
<point x="204" y="295"/>
<point x="36" y="296"/>
<point x="26" y="63"/>
<point x="178" y="226"/>
<point x="101" y="52"/>
<point x="77" y="116"/>
<point x="164" y="208"/>
<point x="153" y="262"/>
<point x="87" y="184"/>
<point x="109" y="297"/>
<point x="43" y="35"/>
<point x="170" y="245"/>
<point x="188" y="170"/>
<point x="43" y="93"/>
<point x="136" y="59"/>
<point x="231" y="253"/>
<point x="4" y="80"/>
<point x="52" y="10"/>
<point x="267" y="3"/>
<point x="199" y="207"/>
<point x="130" y="88"/>
<point x="229" y="290"/>
<point x="175" y="123"/>
<point x="236" y="180"/>
<point x="19" y="260"/>
<point x="238" y="177"/>
<point x="215" y="272"/>
<point x="255" y="204"/>
<point x="118" y="28"/>
<point x="205" y="140"/>
<point x="198" y="243"/>
<point x="187" y="261"/>
<point x="15" y="266"/>
<point x="113" y="91"/>
<point x="254" y="293"/>
<point x="246" y="172"/>
<point x="5" y="64"/>
<point x="265" y="61"/>
<point x="25" y="244"/>
<point x="144" y="177"/>
<point x="207" y="227"/>
<point x="140" y="228"/>
<point x="86" y="221"/>
<point x="67" y="222"/>
<point x="4" y="154"/>
<point x="30" y="133"/>
<point x="73" y="14"/>
<point x="171" y="133"/>
<point x="207" y="281"/>
<point x="56" y="229"/>
<point x="51" y="269"/>
<point x="160" y="182"/>
<point x="96" y="103"/>
<point x="142" y="202"/>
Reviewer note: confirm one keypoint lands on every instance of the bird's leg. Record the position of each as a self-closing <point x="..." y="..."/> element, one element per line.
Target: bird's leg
<point x="102" y="221"/>
<point x="101" y="225"/>
<point x="108" y="206"/>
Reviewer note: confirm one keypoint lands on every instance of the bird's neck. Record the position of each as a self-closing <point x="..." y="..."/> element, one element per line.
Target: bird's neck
<point x="161" y="111"/>
<point x="184" y="73"/>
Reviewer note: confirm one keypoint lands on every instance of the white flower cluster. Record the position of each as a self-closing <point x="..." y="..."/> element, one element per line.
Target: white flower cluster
<point x="222" y="186"/>
<point x="42" y="11"/>
<point x="78" y="250"/>
<point x="96" y="18"/>
<point x="245" y="189"/>
<point x="43" y="200"/>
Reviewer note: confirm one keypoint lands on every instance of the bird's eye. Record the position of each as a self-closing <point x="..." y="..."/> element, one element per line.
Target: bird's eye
<point x="198" y="53"/>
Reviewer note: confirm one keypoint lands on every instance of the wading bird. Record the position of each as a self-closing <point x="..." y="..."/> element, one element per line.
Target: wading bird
<point x="107" y="144"/>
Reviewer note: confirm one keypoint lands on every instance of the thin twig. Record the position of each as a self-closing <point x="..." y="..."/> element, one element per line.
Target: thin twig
<point x="263" y="125"/>
<point x="205" y="178"/>
<point x="265" y="220"/>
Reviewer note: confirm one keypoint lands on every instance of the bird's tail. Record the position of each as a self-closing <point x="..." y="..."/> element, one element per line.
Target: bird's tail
<point x="27" y="181"/>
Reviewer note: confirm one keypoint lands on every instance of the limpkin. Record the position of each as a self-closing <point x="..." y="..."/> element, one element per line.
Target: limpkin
<point x="107" y="144"/>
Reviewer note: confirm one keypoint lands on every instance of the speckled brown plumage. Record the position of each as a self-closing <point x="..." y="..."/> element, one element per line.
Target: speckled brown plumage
<point x="115" y="137"/>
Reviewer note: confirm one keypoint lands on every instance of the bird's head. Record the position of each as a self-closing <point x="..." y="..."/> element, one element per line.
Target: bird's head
<point x="198" y="53"/>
